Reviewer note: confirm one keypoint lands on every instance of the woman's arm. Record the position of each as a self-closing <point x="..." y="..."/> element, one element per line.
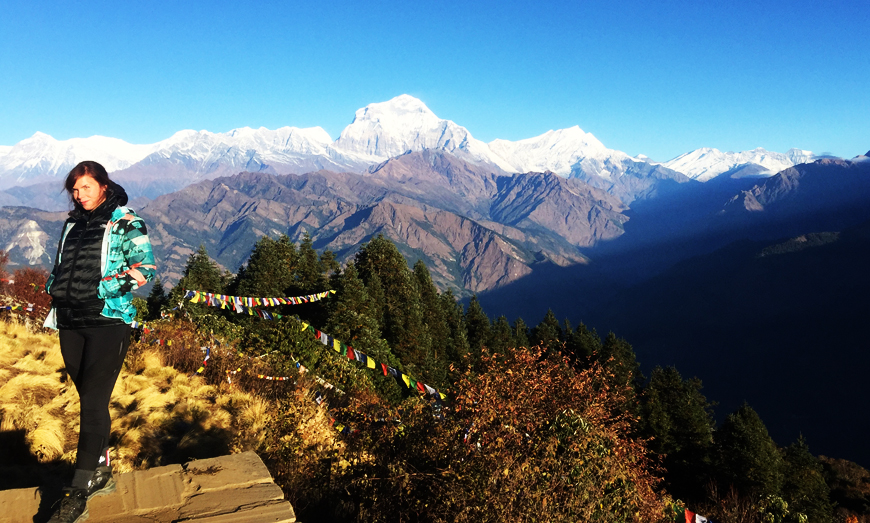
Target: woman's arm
<point x="139" y="266"/>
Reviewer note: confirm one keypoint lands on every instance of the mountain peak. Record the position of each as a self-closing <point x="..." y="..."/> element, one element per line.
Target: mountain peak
<point x="403" y="106"/>
<point x="558" y="151"/>
<point x="41" y="137"/>
<point x="706" y="163"/>
<point x="387" y="129"/>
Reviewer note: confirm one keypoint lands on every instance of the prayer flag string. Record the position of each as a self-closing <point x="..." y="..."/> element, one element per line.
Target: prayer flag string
<point x="243" y="303"/>
<point x="369" y="362"/>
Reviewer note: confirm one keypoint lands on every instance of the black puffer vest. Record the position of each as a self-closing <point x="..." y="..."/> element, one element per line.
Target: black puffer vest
<point x="77" y="277"/>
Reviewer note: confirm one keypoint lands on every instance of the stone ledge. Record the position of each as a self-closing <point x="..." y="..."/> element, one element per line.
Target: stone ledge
<point x="233" y="488"/>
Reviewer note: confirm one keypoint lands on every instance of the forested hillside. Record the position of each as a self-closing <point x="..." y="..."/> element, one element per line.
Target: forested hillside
<point x="447" y="414"/>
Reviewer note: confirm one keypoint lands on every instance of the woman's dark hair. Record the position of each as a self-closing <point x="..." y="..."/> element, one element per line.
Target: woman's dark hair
<point x="86" y="168"/>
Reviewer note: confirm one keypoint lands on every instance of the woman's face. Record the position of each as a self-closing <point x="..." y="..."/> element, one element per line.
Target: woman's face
<point x="89" y="193"/>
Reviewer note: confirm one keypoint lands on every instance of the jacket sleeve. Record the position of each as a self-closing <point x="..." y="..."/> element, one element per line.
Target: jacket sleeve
<point x="139" y="265"/>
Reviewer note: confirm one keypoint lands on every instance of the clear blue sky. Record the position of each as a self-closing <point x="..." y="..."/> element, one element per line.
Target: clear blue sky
<point x="658" y="78"/>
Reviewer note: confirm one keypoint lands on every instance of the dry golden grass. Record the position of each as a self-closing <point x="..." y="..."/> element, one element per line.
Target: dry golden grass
<point x="159" y="415"/>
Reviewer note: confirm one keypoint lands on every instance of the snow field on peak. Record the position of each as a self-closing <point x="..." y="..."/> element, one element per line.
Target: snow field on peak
<point x="48" y="155"/>
<point x="387" y="129"/>
<point x="557" y="151"/>
<point x="378" y="132"/>
<point x="706" y="163"/>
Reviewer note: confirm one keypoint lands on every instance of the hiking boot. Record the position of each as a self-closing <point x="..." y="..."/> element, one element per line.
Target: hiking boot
<point x="101" y="483"/>
<point x="73" y="506"/>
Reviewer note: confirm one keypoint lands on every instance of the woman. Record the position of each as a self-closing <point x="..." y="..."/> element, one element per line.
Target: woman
<point x="104" y="253"/>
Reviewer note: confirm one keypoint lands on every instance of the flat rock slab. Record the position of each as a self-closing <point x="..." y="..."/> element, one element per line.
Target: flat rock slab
<point x="234" y="488"/>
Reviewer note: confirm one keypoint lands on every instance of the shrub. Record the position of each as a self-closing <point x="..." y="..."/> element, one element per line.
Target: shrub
<point x="526" y="439"/>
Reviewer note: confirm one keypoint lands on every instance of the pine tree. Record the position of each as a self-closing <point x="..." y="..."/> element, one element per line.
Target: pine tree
<point x="403" y="323"/>
<point x="678" y="418"/>
<point x="376" y="298"/>
<point x="311" y="275"/>
<point x="202" y="274"/>
<point x="350" y="322"/>
<point x="804" y="486"/>
<point x="624" y="365"/>
<point x="520" y="332"/>
<point x="501" y="336"/>
<point x="581" y="344"/>
<point x="478" y="328"/>
<point x="312" y="271"/>
<point x="436" y="326"/>
<point x="156" y="300"/>
<point x="458" y="347"/>
<point x="548" y="333"/>
<point x="270" y="270"/>
<point x="745" y="455"/>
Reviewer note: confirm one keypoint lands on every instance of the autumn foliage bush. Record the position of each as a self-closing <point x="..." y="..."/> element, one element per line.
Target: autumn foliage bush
<point x="25" y="287"/>
<point x="526" y="438"/>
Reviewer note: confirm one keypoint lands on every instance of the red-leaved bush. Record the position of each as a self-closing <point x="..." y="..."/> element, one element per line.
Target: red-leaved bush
<point x="526" y="438"/>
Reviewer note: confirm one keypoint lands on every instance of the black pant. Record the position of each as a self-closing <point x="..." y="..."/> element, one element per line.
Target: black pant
<point x="93" y="358"/>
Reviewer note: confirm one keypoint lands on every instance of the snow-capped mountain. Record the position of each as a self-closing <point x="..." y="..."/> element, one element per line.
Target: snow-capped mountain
<point x="574" y="153"/>
<point x="557" y="151"/>
<point x="204" y="152"/>
<point x="383" y="130"/>
<point x="707" y="163"/>
<point x="42" y="157"/>
<point x="378" y="132"/>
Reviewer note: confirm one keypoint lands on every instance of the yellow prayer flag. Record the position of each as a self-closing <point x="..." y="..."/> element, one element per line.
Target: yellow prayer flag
<point x="304" y="326"/>
<point x="370" y="362"/>
<point x="406" y="380"/>
<point x="336" y="345"/>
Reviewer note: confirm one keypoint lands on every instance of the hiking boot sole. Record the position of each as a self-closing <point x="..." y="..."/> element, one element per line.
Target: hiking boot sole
<point x="108" y="489"/>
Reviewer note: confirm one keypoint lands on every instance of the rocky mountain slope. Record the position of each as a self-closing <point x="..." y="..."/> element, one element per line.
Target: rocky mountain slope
<point x="477" y="228"/>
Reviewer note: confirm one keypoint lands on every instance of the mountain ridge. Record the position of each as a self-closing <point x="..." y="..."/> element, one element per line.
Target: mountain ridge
<point x="378" y="132"/>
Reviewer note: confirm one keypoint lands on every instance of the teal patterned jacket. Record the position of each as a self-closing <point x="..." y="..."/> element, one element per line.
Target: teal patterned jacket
<point x="126" y="263"/>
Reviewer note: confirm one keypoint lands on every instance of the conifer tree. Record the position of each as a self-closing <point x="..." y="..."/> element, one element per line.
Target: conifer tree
<point x="624" y="364"/>
<point x="548" y="333"/>
<point x="501" y="336"/>
<point x="312" y="271"/>
<point x="350" y="322"/>
<point x="403" y="323"/>
<point x="520" y="332"/>
<point x="478" y="328"/>
<point x="804" y="486"/>
<point x="745" y="455"/>
<point x="458" y="347"/>
<point x="436" y="326"/>
<point x="156" y="300"/>
<point x="202" y="274"/>
<point x="270" y="270"/>
<point x="581" y="344"/>
<point x="375" y="291"/>
<point x="678" y="418"/>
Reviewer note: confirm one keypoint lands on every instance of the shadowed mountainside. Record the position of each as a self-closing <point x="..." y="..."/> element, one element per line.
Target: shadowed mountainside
<point x="477" y="227"/>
